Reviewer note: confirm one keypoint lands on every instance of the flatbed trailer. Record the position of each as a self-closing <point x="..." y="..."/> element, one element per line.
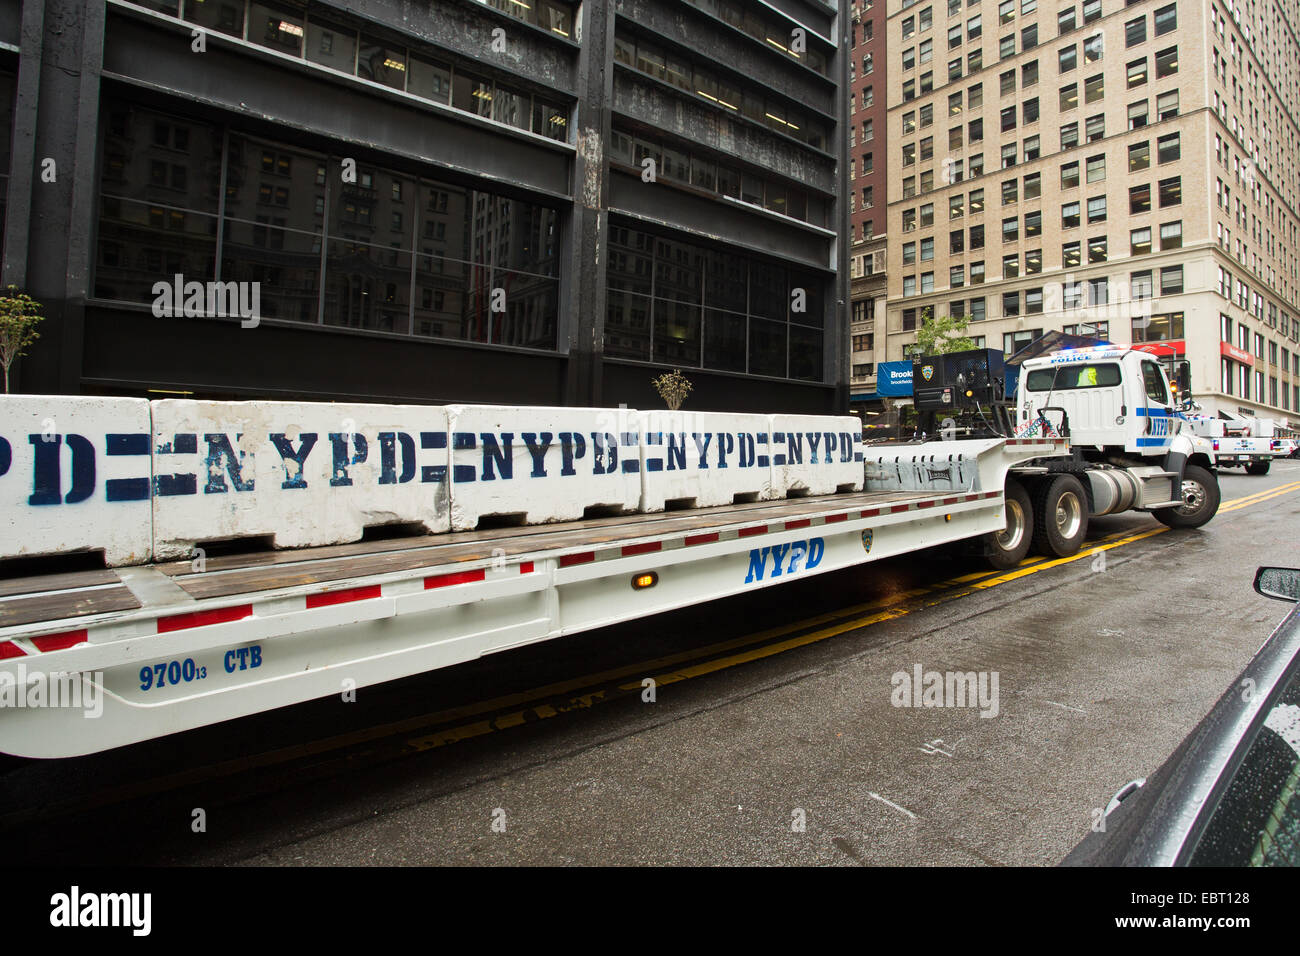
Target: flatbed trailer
<point x="165" y="646"/>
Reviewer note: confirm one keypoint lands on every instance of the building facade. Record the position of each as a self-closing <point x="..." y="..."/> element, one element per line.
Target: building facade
<point x="1118" y="169"/>
<point x="438" y="201"/>
<point x="868" y="149"/>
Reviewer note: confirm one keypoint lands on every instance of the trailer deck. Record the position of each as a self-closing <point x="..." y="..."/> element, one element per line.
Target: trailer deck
<point x="175" y="587"/>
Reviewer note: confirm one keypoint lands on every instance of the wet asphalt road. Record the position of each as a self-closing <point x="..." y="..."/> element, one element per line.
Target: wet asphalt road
<point x="790" y="756"/>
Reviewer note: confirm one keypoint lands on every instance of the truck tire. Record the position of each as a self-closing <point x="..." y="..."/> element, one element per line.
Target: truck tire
<point x="1257" y="468"/>
<point x="1060" y="516"/>
<point x="1200" y="500"/>
<point x="1007" y="548"/>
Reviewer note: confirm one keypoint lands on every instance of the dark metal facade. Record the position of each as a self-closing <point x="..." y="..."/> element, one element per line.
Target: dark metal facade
<point x="535" y="130"/>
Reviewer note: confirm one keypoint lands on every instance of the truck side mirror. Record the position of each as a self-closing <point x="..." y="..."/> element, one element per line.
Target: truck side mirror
<point x="1185" y="379"/>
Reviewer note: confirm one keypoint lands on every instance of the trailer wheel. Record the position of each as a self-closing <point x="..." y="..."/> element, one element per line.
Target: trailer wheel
<point x="1200" y="500"/>
<point x="1257" y="468"/>
<point x="1005" y="549"/>
<point x="1060" y="516"/>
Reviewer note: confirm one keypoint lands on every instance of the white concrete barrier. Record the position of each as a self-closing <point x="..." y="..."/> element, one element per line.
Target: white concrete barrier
<point x="74" y="476"/>
<point x="703" y="459"/>
<point x="816" y="454"/>
<point x="304" y="474"/>
<point x="534" y="465"/>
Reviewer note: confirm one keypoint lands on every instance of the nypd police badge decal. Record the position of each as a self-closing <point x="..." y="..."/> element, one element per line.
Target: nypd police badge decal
<point x="866" y="541"/>
<point x="927" y="372"/>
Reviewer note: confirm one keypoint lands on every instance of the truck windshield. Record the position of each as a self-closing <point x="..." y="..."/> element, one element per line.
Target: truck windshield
<point x="1102" y="375"/>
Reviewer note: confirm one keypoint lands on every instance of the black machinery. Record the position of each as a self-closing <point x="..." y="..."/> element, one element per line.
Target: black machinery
<point x="954" y="388"/>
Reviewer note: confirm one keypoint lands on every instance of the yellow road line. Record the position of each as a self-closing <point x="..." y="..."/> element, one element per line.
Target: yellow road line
<point x="1116" y="540"/>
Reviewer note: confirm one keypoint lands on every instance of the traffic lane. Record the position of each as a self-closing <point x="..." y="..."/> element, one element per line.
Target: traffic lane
<point x="1102" y="671"/>
<point x="233" y="747"/>
<point x="331" y="789"/>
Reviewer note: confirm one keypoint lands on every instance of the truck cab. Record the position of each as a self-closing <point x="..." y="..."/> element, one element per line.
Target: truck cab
<point x="1112" y="398"/>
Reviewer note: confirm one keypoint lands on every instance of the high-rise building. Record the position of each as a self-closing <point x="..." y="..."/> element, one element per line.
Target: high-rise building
<point x="868" y="149"/>
<point x="548" y="202"/>
<point x="1124" y="170"/>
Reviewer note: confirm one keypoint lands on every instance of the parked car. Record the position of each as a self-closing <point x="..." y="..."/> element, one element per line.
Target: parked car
<point x="1229" y="795"/>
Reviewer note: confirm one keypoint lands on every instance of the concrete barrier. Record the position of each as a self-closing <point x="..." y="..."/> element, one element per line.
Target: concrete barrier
<point x="534" y="465"/>
<point x="74" y="476"/>
<point x="303" y="474"/>
<point x="816" y="455"/>
<point x="703" y="459"/>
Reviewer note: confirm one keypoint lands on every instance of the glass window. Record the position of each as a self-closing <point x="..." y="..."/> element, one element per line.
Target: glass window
<point x="1166" y="19"/>
<point x="1257" y="821"/>
<point x="382" y="63"/>
<point x="1140" y="241"/>
<point x="1137" y="73"/>
<point x="1069" y="377"/>
<point x="1171" y="191"/>
<point x="1069" y="175"/>
<point x="225" y="17"/>
<point x="1167" y="62"/>
<point x="1135" y="31"/>
<point x="1139" y="156"/>
<point x="1168" y="148"/>
<point x="276" y="28"/>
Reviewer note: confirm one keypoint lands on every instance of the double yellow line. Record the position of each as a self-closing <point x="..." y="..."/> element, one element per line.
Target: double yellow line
<point x="1236" y="504"/>
<point x="541" y="703"/>
<point x="702" y="660"/>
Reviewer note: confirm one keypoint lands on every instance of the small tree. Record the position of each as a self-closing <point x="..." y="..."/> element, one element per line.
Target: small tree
<point x="673" y="387"/>
<point x="943" y="335"/>
<point x="19" y="315"/>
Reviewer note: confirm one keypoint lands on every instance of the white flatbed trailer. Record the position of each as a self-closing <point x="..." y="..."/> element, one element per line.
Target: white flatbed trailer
<point x="171" y="648"/>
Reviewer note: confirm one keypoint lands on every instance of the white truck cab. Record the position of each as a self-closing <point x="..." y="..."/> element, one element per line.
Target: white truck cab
<point x="1114" y="398"/>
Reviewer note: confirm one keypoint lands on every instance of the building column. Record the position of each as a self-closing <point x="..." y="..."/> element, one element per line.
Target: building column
<point x="586" y="243"/>
<point x="48" y="241"/>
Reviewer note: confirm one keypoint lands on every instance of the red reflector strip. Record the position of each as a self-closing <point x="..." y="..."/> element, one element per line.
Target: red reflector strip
<point x="456" y="577"/>
<point x="750" y="532"/>
<point x="897" y="508"/>
<point x="57" y="642"/>
<point x="950" y="501"/>
<point x="830" y="519"/>
<point x="871" y="513"/>
<point x="791" y="525"/>
<point x="926" y="504"/>
<point x="644" y="548"/>
<point x="702" y="538"/>
<point x="526" y="567"/>
<point x="569" y="560"/>
<point x="342" y="597"/>
<point x="9" y="649"/>
<point x="179" y="622"/>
